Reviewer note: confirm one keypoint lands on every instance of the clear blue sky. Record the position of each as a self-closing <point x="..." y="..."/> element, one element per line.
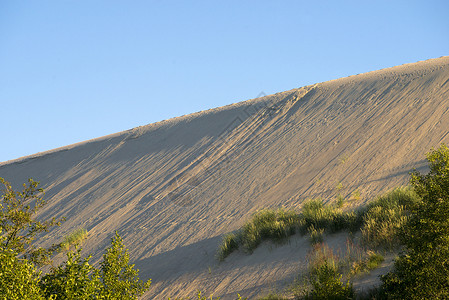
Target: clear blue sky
<point x="76" y="70"/>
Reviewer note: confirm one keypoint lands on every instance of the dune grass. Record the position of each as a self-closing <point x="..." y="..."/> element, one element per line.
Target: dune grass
<point x="324" y="277"/>
<point x="326" y="217"/>
<point x="74" y="238"/>
<point x="369" y="263"/>
<point x="384" y="217"/>
<point x="275" y="225"/>
<point x="379" y="223"/>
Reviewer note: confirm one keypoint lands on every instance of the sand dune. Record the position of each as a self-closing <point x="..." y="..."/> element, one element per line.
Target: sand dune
<point x="173" y="188"/>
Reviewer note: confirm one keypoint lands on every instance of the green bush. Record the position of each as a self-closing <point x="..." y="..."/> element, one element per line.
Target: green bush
<point x="315" y="235"/>
<point x="422" y="270"/>
<point x="324" y="277"/>
<point x="268" y="225"/>
<point x="401" y="196"/>
<point x="74" y="278"/>
<point x="382" y="226"/>
<point x="77" y="279"/>
<point x="18" y="277"/>
<point x="119" y="278"/>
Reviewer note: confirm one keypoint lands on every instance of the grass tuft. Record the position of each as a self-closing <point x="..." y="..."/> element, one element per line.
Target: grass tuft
<point x="367" y="264"/>
<point x="316" y="214"/>
<point x="274" y="225"/>
<point x="228" y="245"/>
<point x="74" y="238"/>
<point x="385" y="216"/>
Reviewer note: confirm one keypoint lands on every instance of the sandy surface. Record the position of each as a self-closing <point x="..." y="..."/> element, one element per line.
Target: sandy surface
<point x="173" y="188"/>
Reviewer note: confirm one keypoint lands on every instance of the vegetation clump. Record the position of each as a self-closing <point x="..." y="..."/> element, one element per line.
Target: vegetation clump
<point x="422" y="270"/>
<point x="384" y="218"/>
<point x="75" y="278"/>
<point x="325" y="278"/>
<point x="275" y="225"/>
<point x="74" y="238"/>
<point x="367" y="264"/>
<point x="328" y="218"/>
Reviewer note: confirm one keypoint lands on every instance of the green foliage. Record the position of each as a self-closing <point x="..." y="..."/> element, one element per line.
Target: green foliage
<point x="422" y="271"/>
<point x="316" y="214"/>
<point x="381" y="227"/>
<point x="17" y="224"/>
<point x="356" y="195"/>
<point x="401" y="196"/>
<point x="77" y="279"/>
<point x="18" y="277"/>
<point x="73" y="279"/>
<point x="384" y="218"/>
<point x="275" y="225"/>
<point x="74" y="238"/>
<point x="324" y="277"/>
<point x="367" y="264"/>
<point x="340" y="201"/>
<point x="316" y="235"/>
<point x="268" y="224"/>
<point x="229" y="244"/>
<point x="120" y="279"/>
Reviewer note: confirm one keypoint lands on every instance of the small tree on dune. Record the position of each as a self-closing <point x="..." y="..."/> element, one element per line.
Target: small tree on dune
<point x="422" y="270"/>
<point x="75" y="278"/>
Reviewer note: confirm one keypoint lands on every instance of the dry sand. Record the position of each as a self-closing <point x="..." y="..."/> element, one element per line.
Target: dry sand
<point x="173" y="188"/>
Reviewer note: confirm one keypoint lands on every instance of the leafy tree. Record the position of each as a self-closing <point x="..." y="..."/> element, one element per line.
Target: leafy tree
<point x="422" y="271"/>
<point x="18" y="277"/>
<point x="77" y="279"/>
<point x="73" y="279"/>
<point x="120" y="279"/>
<point x="17" y="224"/>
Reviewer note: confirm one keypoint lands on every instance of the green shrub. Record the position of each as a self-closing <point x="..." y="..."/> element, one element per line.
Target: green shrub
<point x="73" y="279"/>
<point x="401" y="196"/>
<point x="324" y="277"/>
<point x="382" y="226"/>
<point x="422" y="270"/>
<point x="18" y="277"/>
<point x="76" y="278"/>
<point x="268" y="225"/>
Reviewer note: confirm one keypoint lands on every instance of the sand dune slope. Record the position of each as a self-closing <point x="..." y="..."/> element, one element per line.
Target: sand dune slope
<point x="173" y="188"/>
